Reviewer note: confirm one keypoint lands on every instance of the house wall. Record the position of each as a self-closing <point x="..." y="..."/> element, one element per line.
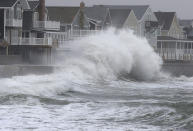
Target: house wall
<point x="12" y="34"/>
<point x="131" y="23"/>
<point x="175" y="29"/>
<point x="148" y="16"/>
<point x="151" y="36"/>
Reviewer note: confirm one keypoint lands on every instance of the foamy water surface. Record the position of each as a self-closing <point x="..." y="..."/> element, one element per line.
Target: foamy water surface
<point x="109" y="81"/>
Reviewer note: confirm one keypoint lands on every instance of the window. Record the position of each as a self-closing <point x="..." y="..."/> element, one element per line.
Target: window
<point x="36" y="16"/>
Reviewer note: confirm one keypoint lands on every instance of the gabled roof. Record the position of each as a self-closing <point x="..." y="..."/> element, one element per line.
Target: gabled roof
<point x="7" y="3"/>
<point x="63" y="14"/>
<point x="165" y="19"/>
<point x="33" y="4"/>
<point x="139" y="10"/>
<point x="96" y="13"/>
<point x="119" y="16"/>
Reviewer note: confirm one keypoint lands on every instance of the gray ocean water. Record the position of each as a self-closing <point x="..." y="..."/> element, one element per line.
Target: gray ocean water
<point x="111" y="81"/>
<point x="106" y="106"/>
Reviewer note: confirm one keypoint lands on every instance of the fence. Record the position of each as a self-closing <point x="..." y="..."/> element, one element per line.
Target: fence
<point x="52" y="25"/>
<point x="175" y="49"/>
<point x="13" y="22"/>
<point x="31" y="41"/>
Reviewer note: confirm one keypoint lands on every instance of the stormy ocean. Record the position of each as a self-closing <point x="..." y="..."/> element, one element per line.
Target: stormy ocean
<point x="111" y="81"/>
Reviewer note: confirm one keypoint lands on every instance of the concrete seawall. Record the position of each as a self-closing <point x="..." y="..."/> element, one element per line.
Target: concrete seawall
<point x="20" y="70"/>
<point x="175" y="68"/>
<point x="178" y="68"/>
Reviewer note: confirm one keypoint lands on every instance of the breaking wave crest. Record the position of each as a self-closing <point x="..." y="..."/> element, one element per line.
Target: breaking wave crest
<point x="106" y="56"/>
<point x="111" y="54"/>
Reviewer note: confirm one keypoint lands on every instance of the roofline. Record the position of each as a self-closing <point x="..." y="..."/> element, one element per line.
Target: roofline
<point x="129" y="15"/>
<point x="36" y="6"/>
<point x="27" y="3"/>
<point x="91" y="19"/>
<point x="15" y="3"/>
<point x="143" y="14"/>
<point x="134" y="15"/>
<point x="172" y="20"/>
<point x="10" y="6"/>
<point x="93" y="22"/>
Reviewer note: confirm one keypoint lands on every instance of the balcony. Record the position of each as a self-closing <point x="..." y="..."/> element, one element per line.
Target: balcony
<point x="47" y="25"/>
<point x="13" y="22"/>
<point x="32" y="41"/>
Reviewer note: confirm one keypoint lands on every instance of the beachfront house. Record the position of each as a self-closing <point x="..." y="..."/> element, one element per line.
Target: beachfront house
<point x="98" y="16"/>
<point x="124" y="18"/>
<point x="71" y="18"/>
<point x="147" y="21"/>
<point x="11" y="14"/>
<point x="36" y="24"/>
<point x="172" y="43"/>
<point x="169" y="25"/>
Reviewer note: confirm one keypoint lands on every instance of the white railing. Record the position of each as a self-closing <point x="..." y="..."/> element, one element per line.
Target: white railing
<point x="73" y="34"/>
<point x="178" y="50"/>
<point x="50" y="25"/>
<point x="31" y="41"/>
<point x="14" y="22"/>
<point x="178" y="55"/>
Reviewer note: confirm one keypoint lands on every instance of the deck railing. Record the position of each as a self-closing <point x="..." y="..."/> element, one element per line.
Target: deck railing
<point x="49" y="25"/>
<point x="72" y="35"/>
<point x="14" y="22"/>
<point x="175" y="49"/>
<point x="31" y="41"/>
<point x="82" y="33"/>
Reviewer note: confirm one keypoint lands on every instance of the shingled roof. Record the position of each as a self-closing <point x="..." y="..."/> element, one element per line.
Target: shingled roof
<point x="119" y="16"/>
<point x="139" y="10"/>
<point x="7" y="3"/>
<point x="62" y="14"/>
<point x="165" y="19"/>
<point x="33" y="4"/>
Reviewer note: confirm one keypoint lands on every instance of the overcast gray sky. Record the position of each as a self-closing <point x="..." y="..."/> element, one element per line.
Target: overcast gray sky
<point x="184" y="8"/>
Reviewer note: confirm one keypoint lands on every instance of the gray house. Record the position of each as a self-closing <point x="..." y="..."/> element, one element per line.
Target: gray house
<point x="36" y="26"/>
<point x="11" y="14"/>
<point x="147" y="21"/>
<point x="124" y="18"/>
<point x="169" y="25"/>
<point x="68" y="16"/>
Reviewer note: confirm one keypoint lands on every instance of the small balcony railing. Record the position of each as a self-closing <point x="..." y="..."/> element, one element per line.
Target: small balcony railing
<point x="49" y="25"/>
<point x="14" y="22"/>
<point x="31" y="41"/>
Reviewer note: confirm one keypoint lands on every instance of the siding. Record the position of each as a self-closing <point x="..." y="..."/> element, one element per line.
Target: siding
<point x="148" y="16"/>
<point x="131" y="22"/>
<point x="175" y="29"/>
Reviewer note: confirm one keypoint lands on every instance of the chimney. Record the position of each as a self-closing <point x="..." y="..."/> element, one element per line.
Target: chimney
<point x="42" y="9"/>
<point x="82" y="5"/>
